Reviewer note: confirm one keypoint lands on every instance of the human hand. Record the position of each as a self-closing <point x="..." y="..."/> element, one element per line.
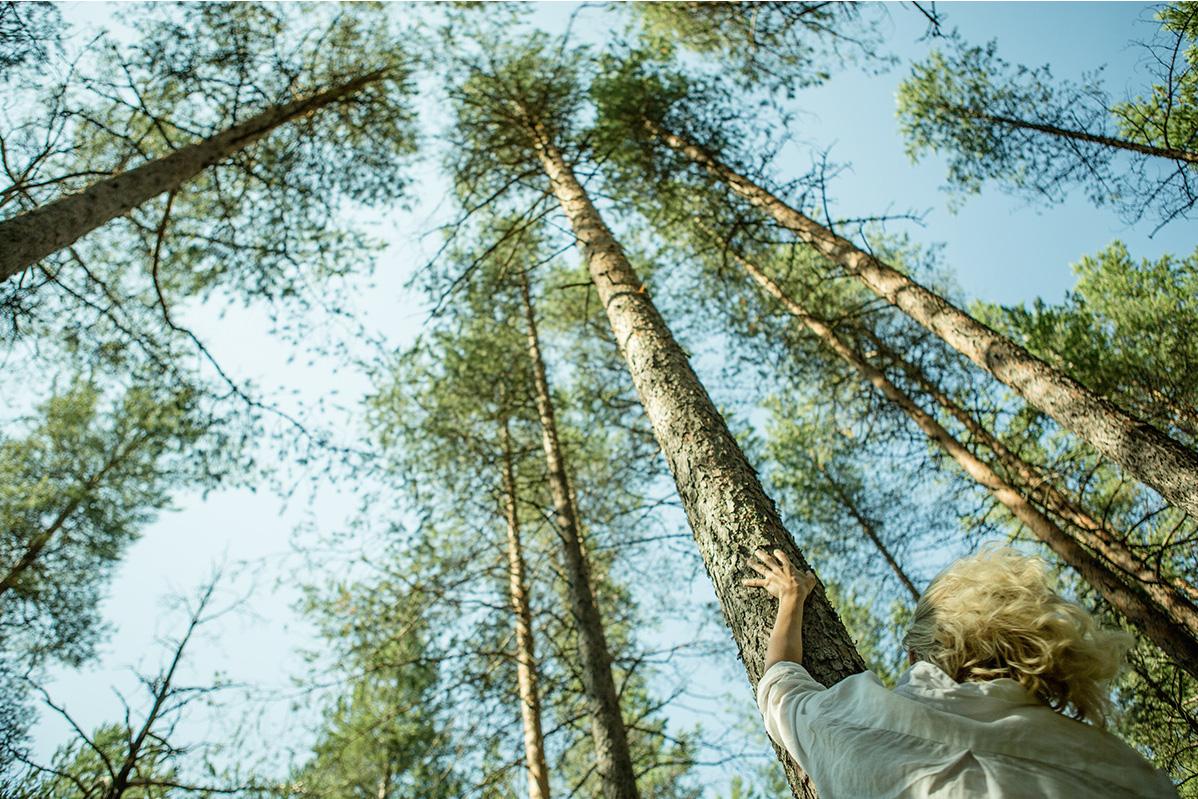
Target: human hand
<point x="778" y="577"/>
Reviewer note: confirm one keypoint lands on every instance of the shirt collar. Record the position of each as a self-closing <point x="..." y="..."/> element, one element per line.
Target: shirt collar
<point x="926" y="679"/>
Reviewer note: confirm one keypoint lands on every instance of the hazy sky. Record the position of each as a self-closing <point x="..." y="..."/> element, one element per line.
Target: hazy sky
<point x="1000" y="248"/>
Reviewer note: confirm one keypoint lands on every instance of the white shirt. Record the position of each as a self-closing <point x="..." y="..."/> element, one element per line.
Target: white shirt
<point x="934" y="737"/>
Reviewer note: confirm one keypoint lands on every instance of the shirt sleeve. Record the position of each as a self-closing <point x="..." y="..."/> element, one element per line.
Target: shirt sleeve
<point x="785" y="695"/>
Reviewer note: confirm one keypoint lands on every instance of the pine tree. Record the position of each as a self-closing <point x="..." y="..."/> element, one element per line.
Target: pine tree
<point x="1147" y="453"/>
<point x="518" y="112"/>
<point x="1038" y="136"/>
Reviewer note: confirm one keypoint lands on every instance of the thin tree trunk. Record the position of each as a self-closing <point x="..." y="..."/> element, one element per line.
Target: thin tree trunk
<point x="29" y="237"/>
<point x="1172" y="153"/>
<point x="613" y="757"/>
<point x="871" y="531"/>
<point x="37" y="545"/>
<point x="1129" y="600"/>
<point x="163" y="690"/>
<point x="526" y="659"/>
<point x="1172" y="592"/>
<point x="729" y="513"/>
<point x="1148" y="454"/>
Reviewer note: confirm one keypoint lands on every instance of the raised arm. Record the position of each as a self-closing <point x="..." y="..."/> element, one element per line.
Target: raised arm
<point x="791" y="590"/>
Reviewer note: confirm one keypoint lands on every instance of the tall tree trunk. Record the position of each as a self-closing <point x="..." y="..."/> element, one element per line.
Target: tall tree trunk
<point x="526" y="659"/>
<point x="1172" y="153"/>
<point x="1172" y="592"/>
<point x="871" y="531"/>
<point x="29" y="237"/>
<point x="1148" y="454"/>
<point x="729" y="513"/>
<point x="607" y="724"/>
<point x="1130" y="600"/>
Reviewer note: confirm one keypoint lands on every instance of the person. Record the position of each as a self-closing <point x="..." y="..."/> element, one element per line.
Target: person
<point x="1006" y="694"/>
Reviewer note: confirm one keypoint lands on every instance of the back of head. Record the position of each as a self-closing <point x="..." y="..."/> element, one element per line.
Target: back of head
<point x="995" y="614"/>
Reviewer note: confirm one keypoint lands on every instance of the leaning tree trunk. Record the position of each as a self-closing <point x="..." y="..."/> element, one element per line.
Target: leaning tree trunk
<point x="1157" y="624"/>
<point x="526" y="659"/>
<point x="871" y="531"/>
<point x="613" y="757"/>
<point x="1171" y="153"/>
<point x="1147" y="453"/>
<point x="729" y="513"/>
<point x="29" y="237"/>
<point x="1175" y="593"/>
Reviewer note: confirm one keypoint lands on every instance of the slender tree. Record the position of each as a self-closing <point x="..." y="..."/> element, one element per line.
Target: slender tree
<point x="462" y="410"/>
<point x="29" y="237"/>
<point x="1037" y="135"/>
<point x="526" y="656"/>
<point x="611" y="743"/>
<point x="520" y="111"/>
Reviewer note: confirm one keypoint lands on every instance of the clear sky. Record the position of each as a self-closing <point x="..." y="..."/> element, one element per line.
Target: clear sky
<point x="1000" y="249"/>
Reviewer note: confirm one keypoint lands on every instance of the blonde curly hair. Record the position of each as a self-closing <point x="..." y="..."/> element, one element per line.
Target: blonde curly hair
<point x="995" y="614"/>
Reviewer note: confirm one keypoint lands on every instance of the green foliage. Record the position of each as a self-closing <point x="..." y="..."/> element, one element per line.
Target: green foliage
<point x="77" y="489"/>
<point x="511" y="96"/>
<point x="385" y="731"/>
<point x="1167" y="116"/>
<point x="83" y="770"/>
<point x="954" y="102"/>
<point x="1128" y="330"/>
<point x="1039" y="136"/>
<point x="276" y="200"/>
<point x="781" y="45"/>
<point x="1156" y="703"/>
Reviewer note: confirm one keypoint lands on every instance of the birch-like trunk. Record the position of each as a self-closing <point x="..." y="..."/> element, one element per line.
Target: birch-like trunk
<point x="1130" y="600"/>
<point x="1148" y="454"/>
<point x="526" y="658"/>
<point x="729" y="513"/>
<point x="614" y="760"/>
<point x="29" y="237"/>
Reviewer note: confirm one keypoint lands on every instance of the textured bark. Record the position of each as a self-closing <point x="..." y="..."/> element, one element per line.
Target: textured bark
<point x="526" y="657"/>
<point x="29" y="237"/>
<point x="614" y="761"/>
<point x="1148" y="454"/>
<point x="1130" y="600"/>
<point x="729" y="513"/>
<point x="1173" y="593"/>
<point x="871" y="532"/>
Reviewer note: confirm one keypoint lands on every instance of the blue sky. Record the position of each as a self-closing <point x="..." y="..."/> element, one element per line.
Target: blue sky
<point x="999" y="248"/>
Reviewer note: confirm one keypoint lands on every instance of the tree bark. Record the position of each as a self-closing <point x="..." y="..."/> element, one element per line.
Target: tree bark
<point x="29" y="237"/>
<point x="1175" y="593"/>
<point x="526" y="659"/>
<point x="613" y="757"/>
<point x="1129" y="600"/>
<point x="1148" y="454"/>
<point x="729" y="513"/>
